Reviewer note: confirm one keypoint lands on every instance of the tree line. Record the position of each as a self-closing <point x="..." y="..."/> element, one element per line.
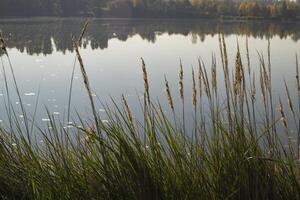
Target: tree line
<point x="153" y="8"/>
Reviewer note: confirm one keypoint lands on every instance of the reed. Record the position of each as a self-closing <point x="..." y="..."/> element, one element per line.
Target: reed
<point x="146" y="83"/>
<point x="181" y="92"/>
<point x="170" y="101"/>
<point x="240" y="156"/>
<point x="128" y="110"/>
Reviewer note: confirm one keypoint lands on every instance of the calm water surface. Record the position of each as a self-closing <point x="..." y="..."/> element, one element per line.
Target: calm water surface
<point x="42" y="56"/>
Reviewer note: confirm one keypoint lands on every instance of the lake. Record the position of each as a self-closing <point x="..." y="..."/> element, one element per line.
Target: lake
<point x="42" y="56"/>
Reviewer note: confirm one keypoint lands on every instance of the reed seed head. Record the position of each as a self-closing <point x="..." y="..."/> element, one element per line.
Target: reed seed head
<point x="290" y="103"/>
<point x="225" y="55"/>
<point x="282" y="115"/>
<point x="200" y="78"/>
<point x="214" y="74"/>
<point x="262" y="85"/>
<point x="168" y="93"/>
<point x="194" y="95"/>
<point x="128" y="110"/>
<point x="181" y="90"/>
<point x="145" y="78"/>
<point x="238" y="74"/>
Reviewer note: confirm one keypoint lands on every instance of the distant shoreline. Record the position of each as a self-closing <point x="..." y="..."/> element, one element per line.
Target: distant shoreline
<point x="221" y="19"/>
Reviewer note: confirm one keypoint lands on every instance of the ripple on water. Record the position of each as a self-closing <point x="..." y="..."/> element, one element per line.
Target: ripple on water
<point x="38" y="60"/>
<point x="29" y="94"/>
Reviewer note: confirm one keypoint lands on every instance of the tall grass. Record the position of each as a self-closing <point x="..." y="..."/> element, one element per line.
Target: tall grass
<point x="229" y="153"/>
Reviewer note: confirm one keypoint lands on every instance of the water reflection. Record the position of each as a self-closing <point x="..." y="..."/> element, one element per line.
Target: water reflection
<point x="112" y="51"/>
<point x="41" y="36"/>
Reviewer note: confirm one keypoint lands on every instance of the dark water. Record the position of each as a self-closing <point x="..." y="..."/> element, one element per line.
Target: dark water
<point x="42" y="55"/>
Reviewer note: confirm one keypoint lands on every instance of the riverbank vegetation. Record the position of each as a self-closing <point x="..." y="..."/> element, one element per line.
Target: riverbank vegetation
<point x="235" y="148"/>
<point x="284" y="10"/>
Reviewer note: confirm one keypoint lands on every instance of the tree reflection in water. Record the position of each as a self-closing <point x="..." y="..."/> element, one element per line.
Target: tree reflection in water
<point x="41" y="36"/>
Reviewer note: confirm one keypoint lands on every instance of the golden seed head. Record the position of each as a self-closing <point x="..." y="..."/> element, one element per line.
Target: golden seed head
<point x="145" y="78"/>
<point x="127" y="108"/>
<point x="238" y="74"/>
<point x="194" y="96"/>
<point x="282" y="115"/>
<point x="168" y="93"/>
<point x="200" y="79"/>
<point x="181" y="90"/>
